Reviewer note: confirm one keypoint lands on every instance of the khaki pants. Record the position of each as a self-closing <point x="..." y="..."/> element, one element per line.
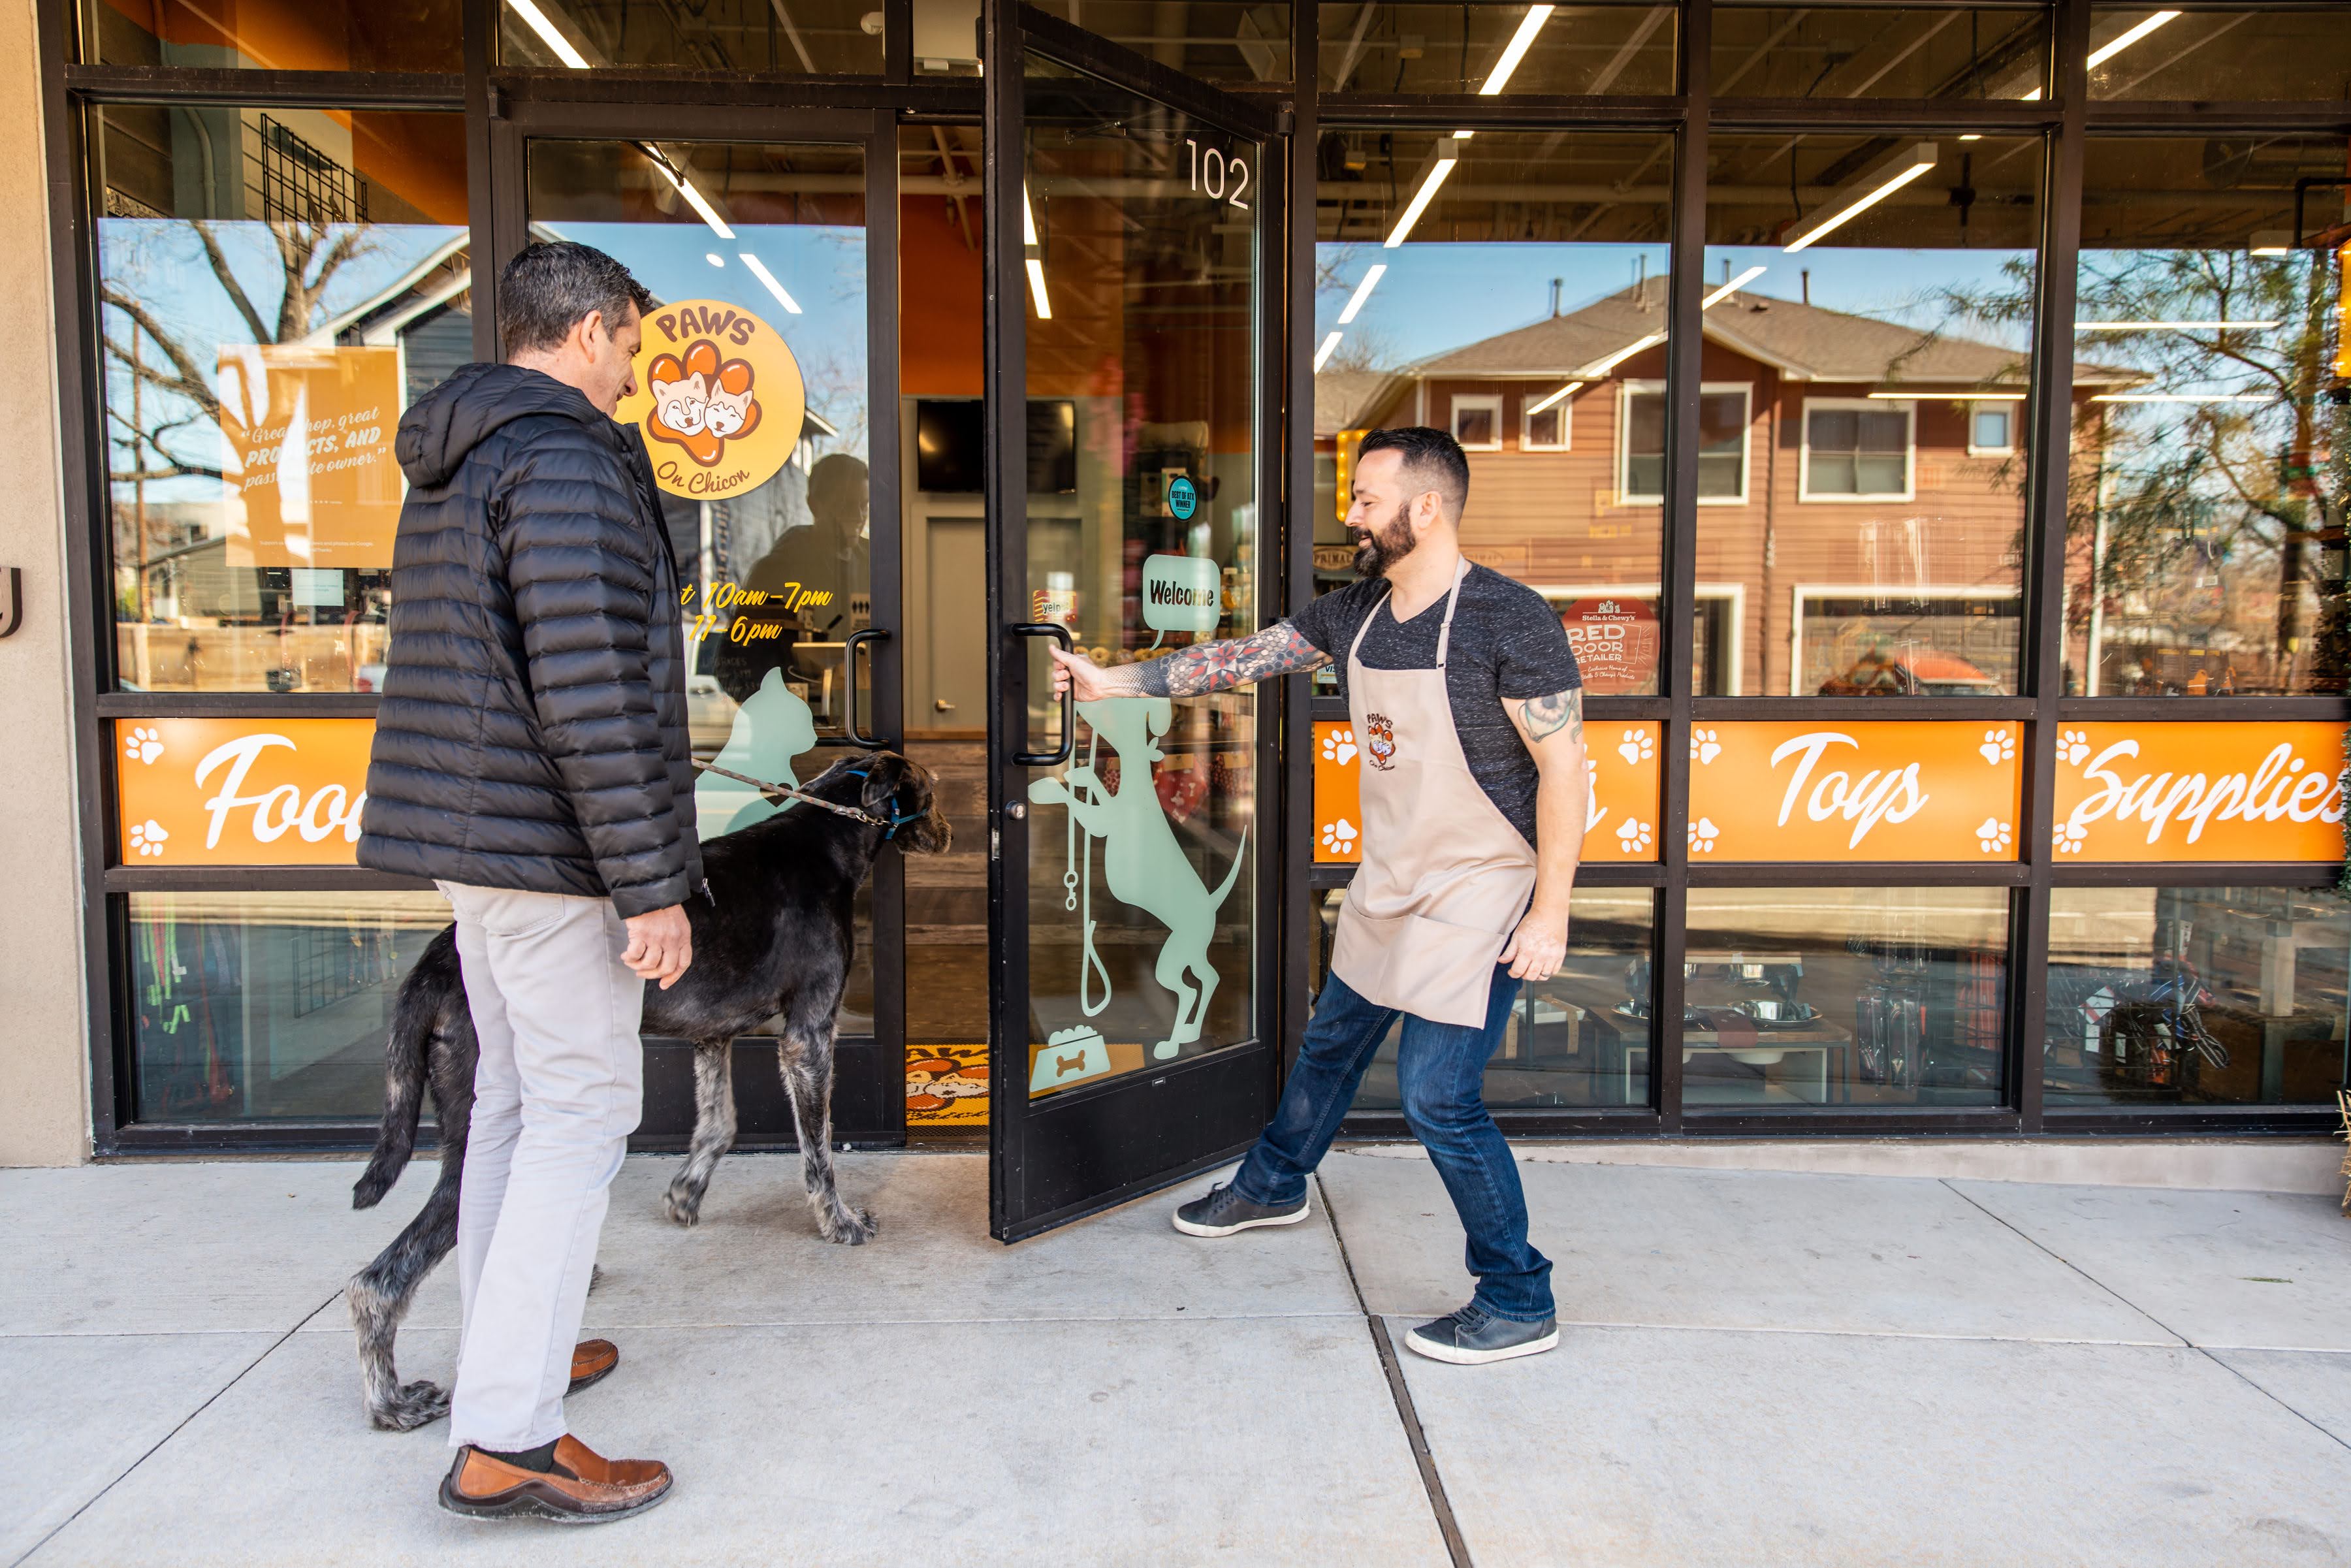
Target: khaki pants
<point x="560" y="1088"/>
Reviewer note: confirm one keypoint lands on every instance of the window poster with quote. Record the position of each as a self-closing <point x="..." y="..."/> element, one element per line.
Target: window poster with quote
<point x="308" y="469"/>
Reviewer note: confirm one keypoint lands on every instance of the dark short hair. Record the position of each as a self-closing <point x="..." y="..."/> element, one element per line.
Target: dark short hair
<point x="1432" y="461"/>
<point x="544" y="292"/>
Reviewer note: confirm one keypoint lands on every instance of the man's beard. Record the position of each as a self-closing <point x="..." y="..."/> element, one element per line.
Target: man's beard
<point x="1384" y="547"/>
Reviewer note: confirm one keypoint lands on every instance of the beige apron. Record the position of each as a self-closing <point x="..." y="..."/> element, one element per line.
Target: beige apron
<point x="1445" y="876"/>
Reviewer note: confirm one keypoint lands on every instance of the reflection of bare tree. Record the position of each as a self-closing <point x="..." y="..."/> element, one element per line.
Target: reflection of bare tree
<point x="2206" y="518"/>
<point x="174" y="421"/>
<point x="309" y="255"/>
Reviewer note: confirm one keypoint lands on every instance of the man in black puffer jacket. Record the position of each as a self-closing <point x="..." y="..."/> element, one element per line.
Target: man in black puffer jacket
<point x="531" y="757"/>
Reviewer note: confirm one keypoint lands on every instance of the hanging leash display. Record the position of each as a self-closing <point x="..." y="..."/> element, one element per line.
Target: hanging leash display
<point x="889" y="824"/>
<point x="1079" y="885"/>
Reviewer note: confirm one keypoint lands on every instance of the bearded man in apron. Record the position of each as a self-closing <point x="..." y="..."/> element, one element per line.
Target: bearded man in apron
<point x="1464" y="699"/>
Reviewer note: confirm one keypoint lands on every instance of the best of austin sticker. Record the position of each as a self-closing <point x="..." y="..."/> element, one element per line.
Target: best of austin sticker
<point x="720" y="400"/>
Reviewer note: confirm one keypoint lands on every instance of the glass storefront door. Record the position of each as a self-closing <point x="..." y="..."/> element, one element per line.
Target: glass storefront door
<point x="766" y="393"/>
<point x="1132" y="457"/>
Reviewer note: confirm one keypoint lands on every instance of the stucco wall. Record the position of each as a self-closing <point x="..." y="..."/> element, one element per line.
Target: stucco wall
<point x="44" y="1105"/>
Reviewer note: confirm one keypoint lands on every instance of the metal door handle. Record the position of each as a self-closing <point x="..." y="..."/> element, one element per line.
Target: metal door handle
<point x="941" y="704"/>
<point x="849" y="682"/>
<point x="1059" y="633"/>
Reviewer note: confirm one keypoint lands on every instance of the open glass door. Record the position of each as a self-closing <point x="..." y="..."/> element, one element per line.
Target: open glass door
<point x="766" y="393"/>
<point x="1132" y="459"/>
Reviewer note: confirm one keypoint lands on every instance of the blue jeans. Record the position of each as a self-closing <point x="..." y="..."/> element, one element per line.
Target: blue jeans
<point x="1441" y="1069"/>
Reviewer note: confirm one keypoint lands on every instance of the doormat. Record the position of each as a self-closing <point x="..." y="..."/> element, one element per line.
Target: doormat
<point x="947" y="1086"/>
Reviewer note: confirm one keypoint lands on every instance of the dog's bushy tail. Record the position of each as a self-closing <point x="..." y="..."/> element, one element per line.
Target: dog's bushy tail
<point x="413" y="1018"/>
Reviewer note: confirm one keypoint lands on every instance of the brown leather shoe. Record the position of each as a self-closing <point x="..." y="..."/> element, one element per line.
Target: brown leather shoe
<point x="592" y="1360"/>
<point x="583" y="1489"/>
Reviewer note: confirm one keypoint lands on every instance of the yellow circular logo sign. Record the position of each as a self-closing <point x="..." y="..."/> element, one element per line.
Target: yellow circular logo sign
<point x="719" y="398"/>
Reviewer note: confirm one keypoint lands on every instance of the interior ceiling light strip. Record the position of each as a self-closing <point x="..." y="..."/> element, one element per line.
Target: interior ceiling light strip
<point x="1362" y="292"/>
<point x="1732" y="288"/>
<point x="1447" y="157"/>
<point x="2186" y="397"/>
<point x="1036" y="258"/>
<point x="1516" y="49"/>
<point x="2122" y="41"/>
<point x="1622" y="354"/>
<point x="2174" y="326"/>
<point x="1555" y="397"/>
<point x="1890" y="176"/>
<point x="1960" y="394"/>
<point x="536" y="21"/>
<point x="759" y="270"/>
<point x="1322" y="354"/>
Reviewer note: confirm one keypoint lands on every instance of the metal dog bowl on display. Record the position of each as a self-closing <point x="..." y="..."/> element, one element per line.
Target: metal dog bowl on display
<point x="1770" y="1014"/>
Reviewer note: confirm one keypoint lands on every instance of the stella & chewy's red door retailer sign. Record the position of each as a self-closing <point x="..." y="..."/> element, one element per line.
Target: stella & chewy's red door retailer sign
<point x="1616" y="643"/>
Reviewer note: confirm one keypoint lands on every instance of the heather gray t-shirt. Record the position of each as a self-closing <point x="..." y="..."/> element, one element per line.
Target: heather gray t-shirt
<point x="1508" y="645"/>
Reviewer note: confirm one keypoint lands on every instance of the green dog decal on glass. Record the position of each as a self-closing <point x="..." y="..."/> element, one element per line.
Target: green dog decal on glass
<point x="1142" y="862"/>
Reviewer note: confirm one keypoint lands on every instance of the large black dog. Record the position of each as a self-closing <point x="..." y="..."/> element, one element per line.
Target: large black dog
<point x="774" y="938"/>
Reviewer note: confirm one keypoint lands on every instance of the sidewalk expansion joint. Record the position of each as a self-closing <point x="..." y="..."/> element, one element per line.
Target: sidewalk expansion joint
<point x="177" y="1427"/>
<point x="1431" y="1482"/>
<point x="2204" y="1350"/>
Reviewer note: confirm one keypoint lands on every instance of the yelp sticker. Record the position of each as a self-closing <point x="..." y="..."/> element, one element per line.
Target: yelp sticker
<point x="720" y="400"/>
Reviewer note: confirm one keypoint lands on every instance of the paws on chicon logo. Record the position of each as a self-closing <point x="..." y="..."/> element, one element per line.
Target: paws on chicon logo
<point x="1379" y="739"/>
<point x="701" y="402"/>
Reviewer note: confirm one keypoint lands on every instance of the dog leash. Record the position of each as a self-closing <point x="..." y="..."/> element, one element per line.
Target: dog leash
<point x="889" y="824"/>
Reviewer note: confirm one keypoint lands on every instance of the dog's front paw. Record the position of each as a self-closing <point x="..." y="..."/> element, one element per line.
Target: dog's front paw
<point x="412" y="1406"/>
<point x="682" y="1203"/>
<point x="850" y="1227"/>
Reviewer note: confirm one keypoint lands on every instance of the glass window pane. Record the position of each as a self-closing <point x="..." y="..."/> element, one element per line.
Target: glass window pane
<point x="1851" y="51"/>
<point x="798" y="37"/>
<point x="1810" y="996"/>
<point x="2196" y="995"/>
<point x="1873" y="290"/>
<point x="2144" y="52"/>
<point x="1143" y="299"/>
<point x="1593" y="49"/>
<point x="1521" y="272"/>
<point x="770" y="525"/>
<point x="1578" y="1040"/>
<point x="275" y="34"/>
<point x="253" y="1006"/>
<point x="1992" y="431"/>
<point x="275" y="286"/>
<point x="1214" y="40"/>
<point x="2198" y="560"/>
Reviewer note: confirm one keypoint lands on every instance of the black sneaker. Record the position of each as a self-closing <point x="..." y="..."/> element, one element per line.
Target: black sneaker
<point x="1473" y="1336"/>
<point x="1224" y="1212"/>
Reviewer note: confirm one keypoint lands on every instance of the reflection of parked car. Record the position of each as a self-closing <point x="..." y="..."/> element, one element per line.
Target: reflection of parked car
<point x="1887" y="674"/>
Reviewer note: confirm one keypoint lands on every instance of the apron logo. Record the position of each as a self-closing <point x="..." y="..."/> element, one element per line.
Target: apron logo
<point x="1379" y="739"/>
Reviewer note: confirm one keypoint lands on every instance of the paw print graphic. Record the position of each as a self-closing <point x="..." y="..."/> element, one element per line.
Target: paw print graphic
<point x="1705" y="745"/>
<point x="2069" y="838"/>
<point x="2074" y="746"/>
<point x="1632" y="837"/>
<point x="1636" y="748"/>
<point x="143" y="745"/>
<point x="1991" y="836"/>
<point x="1339" y="837"/>
<point x="147" y="838"/>
<point x="1998" y="747"/>
<point x="1338" y="746"/>
<point x="1702" y="834"/>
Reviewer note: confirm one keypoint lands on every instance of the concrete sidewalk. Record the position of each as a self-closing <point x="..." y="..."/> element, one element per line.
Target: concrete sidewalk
<point x="1758" y="1368"/>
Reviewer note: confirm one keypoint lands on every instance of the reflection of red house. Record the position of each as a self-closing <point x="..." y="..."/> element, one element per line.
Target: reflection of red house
<point x="1860" y="490"/>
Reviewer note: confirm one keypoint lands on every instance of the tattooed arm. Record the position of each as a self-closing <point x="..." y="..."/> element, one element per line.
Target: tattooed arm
<point x="1278" y="650"/>
<point x="1553" y="728"/>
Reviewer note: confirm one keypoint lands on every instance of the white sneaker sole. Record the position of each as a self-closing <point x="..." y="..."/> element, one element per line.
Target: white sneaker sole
<point x="1193" y="1227"/>
<point x="1460" y="1357"/>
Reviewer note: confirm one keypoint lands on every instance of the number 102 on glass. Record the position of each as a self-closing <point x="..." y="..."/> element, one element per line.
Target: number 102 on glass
<point x="1216" y="176"/>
